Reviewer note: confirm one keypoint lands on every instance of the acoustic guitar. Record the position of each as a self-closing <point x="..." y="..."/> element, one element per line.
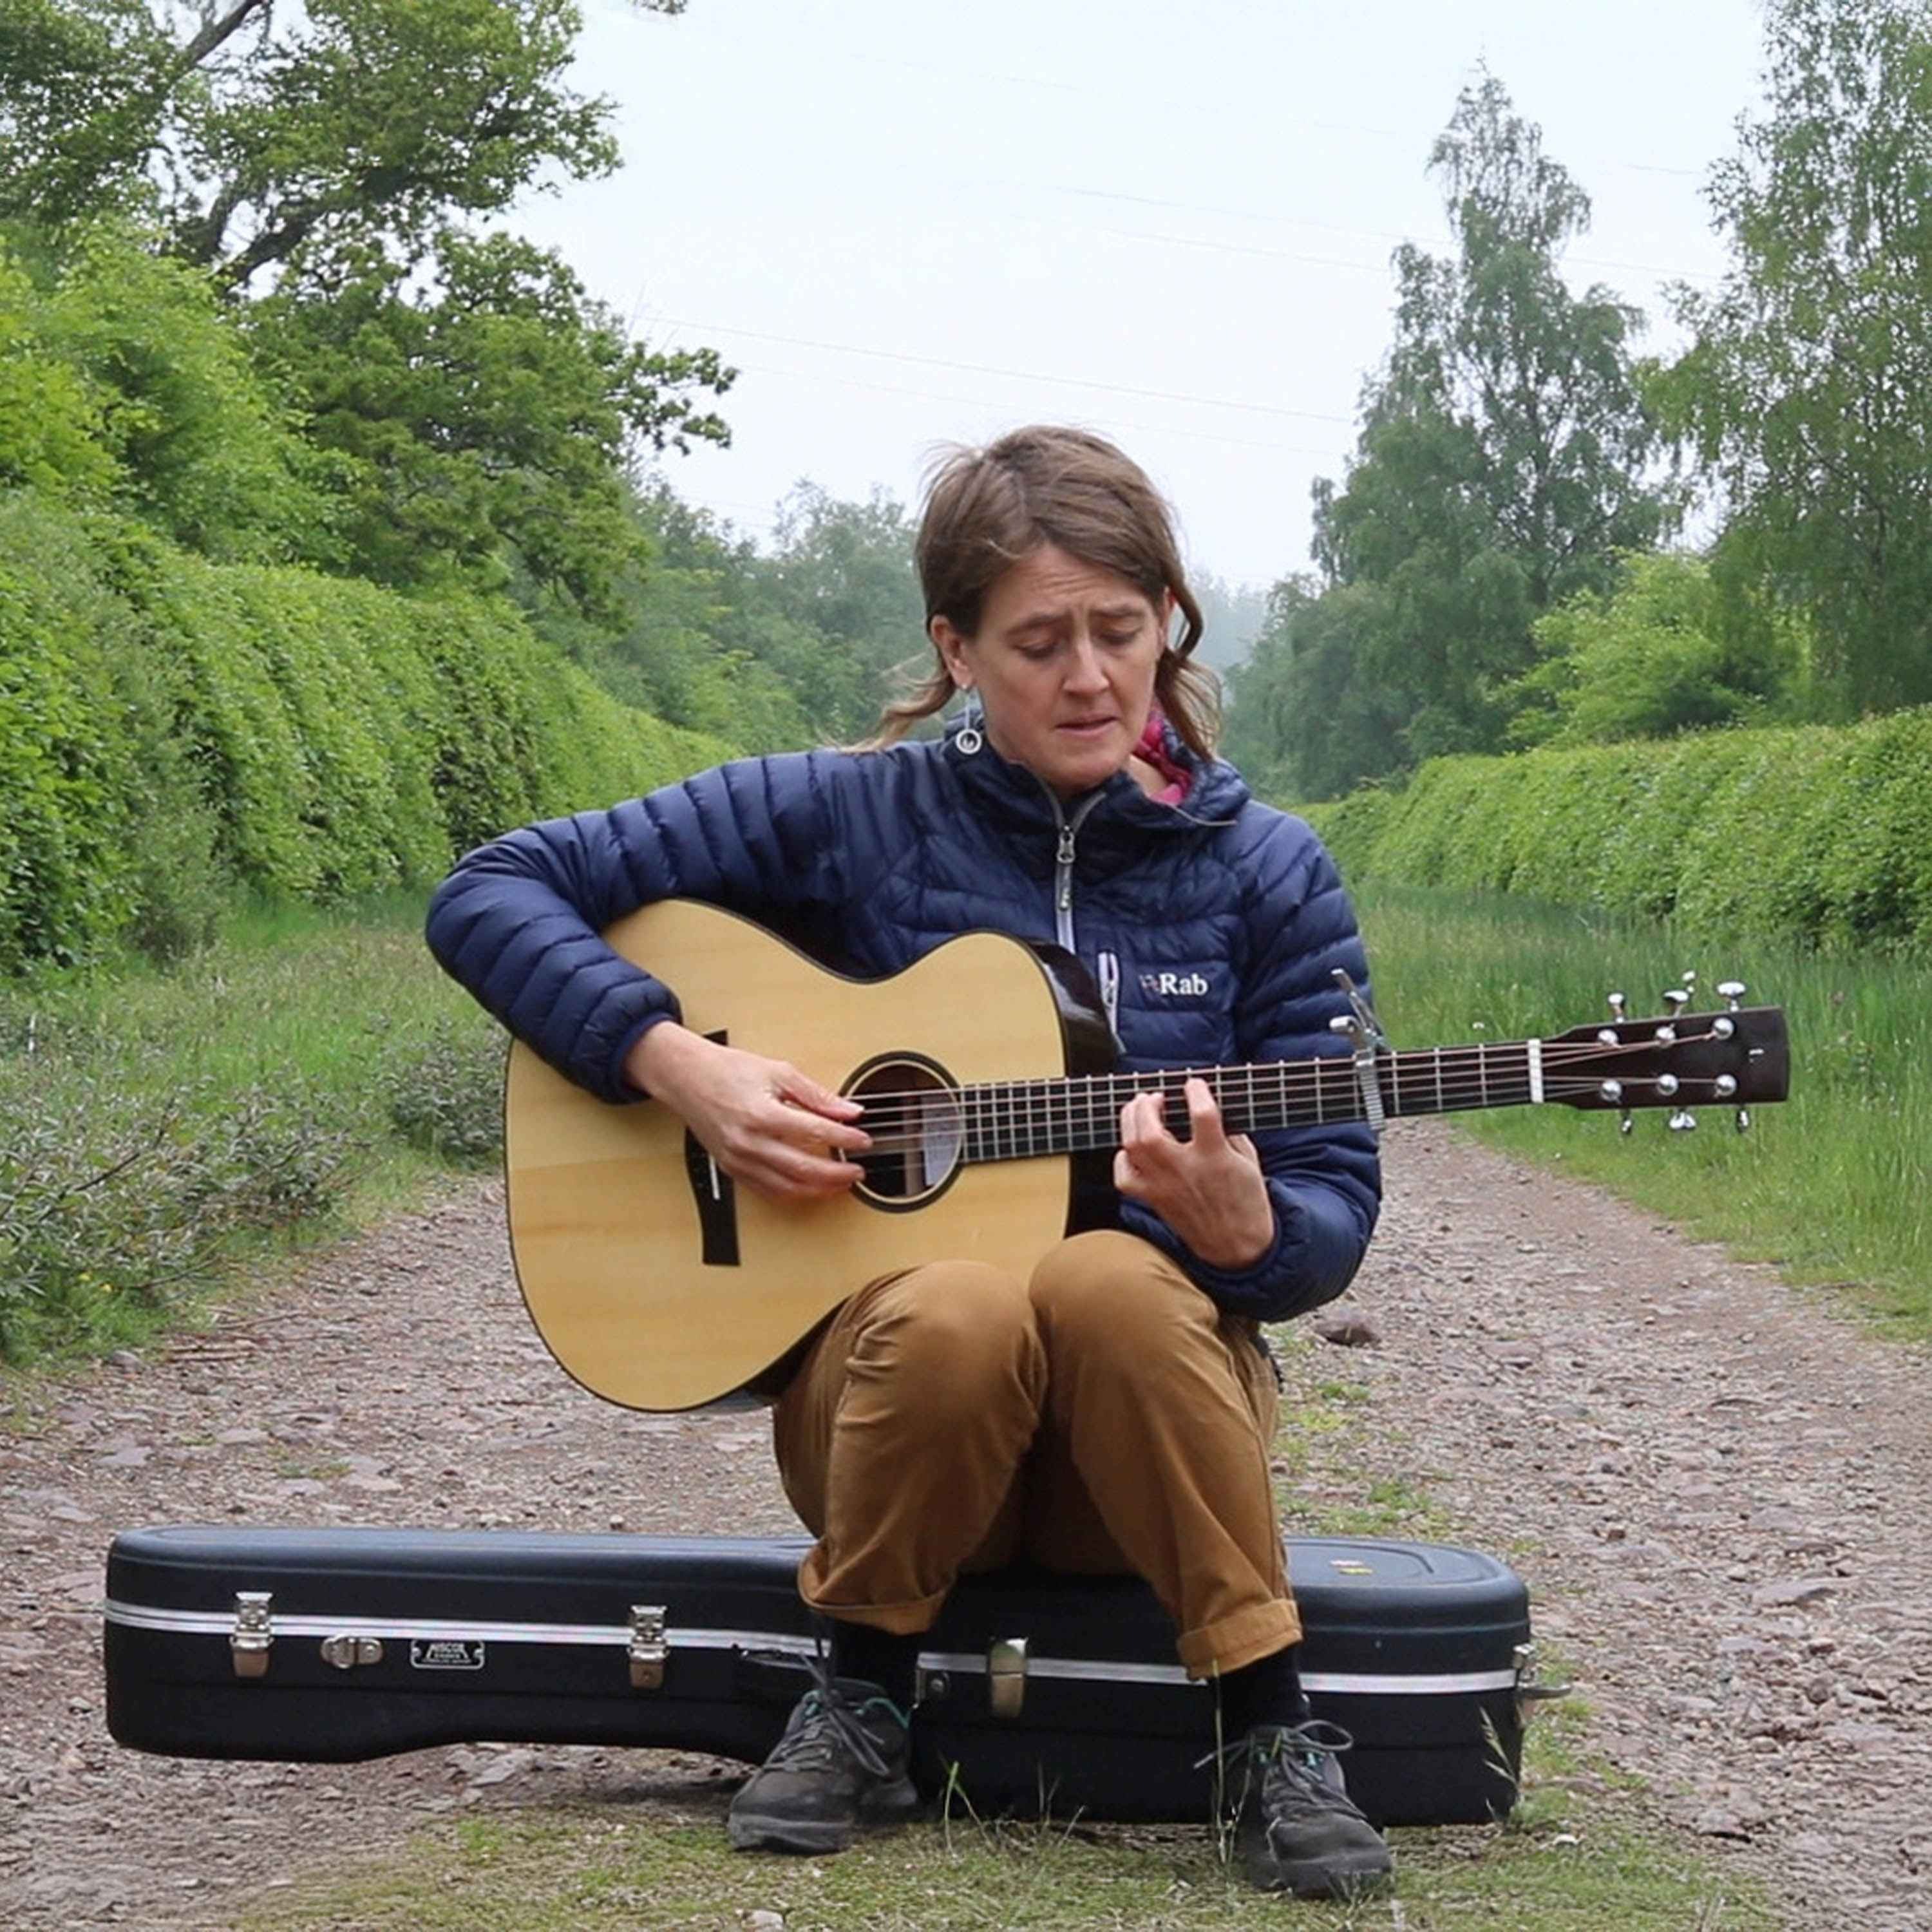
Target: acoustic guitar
<point x="987" y="1072"/>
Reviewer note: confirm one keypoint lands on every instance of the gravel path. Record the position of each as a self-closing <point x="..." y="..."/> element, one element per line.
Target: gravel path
<point x="1722" y="1499"/>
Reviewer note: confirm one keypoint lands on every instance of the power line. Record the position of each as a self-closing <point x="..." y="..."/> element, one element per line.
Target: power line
<point x="1325" y="227"/>
<point x="1018" y="375"/>
<point x="981" y="402"/>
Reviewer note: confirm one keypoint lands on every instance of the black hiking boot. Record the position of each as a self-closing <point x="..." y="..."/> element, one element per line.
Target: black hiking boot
<point x="1296" y="1829"/>
<point x="841" y="1763"/>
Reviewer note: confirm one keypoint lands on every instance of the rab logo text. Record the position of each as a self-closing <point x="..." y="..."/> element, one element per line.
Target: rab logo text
<point x="1174" y="985"/>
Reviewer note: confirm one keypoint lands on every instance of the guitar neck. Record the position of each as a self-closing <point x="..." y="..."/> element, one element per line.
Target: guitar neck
<point x="1016" y="1120"/>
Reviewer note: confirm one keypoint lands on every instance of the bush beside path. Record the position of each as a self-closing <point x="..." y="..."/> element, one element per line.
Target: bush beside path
<point x="1721" y="1496"/>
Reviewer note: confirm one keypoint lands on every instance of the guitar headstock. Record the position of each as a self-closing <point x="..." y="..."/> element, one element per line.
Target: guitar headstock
<point x="1678" y="1060"/>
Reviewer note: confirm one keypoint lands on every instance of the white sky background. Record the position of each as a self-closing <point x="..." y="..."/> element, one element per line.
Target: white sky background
<point x="908" y="223"/>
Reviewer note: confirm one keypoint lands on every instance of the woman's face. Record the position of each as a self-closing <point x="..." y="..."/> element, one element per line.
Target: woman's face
<point x="1064" y="663"/>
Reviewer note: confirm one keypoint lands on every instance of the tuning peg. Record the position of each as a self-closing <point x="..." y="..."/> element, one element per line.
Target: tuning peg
<point x="1617" y="1003"/>
<point x="1732" y="990"/>
<point x="1682" y="1121"/>
<point x="1626" y="1122"/>
<point x="1744" y="1119"/>
<point x="1690" y="981"/>
<point x="1676" y="999"/>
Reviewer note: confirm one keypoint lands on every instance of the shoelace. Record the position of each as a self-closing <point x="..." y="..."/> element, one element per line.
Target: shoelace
<point x="826" y="1718"/>
<point x="1315" y="1738"/>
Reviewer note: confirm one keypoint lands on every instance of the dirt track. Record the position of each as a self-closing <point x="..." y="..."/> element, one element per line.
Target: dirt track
<point x="1722" y="1499"/>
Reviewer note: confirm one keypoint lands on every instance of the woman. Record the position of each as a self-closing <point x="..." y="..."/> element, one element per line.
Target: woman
<point x="1114" y="1412"/>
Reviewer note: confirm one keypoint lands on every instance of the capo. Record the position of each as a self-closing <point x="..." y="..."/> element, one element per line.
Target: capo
<point x="1361" y="1026"/>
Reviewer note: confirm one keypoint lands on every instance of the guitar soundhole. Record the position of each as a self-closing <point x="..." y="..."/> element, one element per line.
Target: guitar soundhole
<point x="912" y="1115"/>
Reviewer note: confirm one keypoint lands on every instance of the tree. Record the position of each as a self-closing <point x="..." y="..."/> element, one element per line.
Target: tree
<point x="1805" y="391"/>
<point x="1232" y="617"/>
<point x="844" y="572"/>
<point x="265" y="139"/>
<point x="1505" y="457"/>
<point x="133" y="386"/>
<point x="483" y="415"/>
<point x="1301" y="723"/>
<point x="324" y="167"/>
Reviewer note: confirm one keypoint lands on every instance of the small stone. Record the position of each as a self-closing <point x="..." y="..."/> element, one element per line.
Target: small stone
<point x="1724" y="1822"/>
<point x="1792" y="1592"/>
<point x="764" y="1922"/>
<point x="1347" y="1329"/>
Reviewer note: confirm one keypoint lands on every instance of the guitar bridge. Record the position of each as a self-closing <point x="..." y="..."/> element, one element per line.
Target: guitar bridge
<point x="717" y="1202"/>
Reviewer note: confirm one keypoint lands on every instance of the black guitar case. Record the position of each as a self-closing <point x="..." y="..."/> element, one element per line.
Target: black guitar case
<point x="339" y="1644"/>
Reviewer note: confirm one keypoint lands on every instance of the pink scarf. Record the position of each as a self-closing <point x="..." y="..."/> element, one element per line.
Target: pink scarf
<point x="1153" y="748"/>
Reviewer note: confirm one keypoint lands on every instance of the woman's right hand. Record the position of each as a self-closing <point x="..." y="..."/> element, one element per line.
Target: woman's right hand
<point x="764" y="1122"/>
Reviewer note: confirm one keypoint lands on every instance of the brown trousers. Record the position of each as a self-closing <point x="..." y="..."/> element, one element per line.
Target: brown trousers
<point x="1104" y="1417"/>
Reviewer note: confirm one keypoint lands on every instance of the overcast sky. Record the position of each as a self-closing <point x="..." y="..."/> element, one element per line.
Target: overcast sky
<point x="911" y="224"/>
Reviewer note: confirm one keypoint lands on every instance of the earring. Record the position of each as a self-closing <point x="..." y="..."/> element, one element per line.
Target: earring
<point x="968" y="739"/>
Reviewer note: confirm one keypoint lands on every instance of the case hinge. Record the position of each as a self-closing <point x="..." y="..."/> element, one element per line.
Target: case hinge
<point x="1529" y="1688"/>
<point x="345" y="1653"/>
<point x="648" y="1648"/>
<point x="253" y="1634"/>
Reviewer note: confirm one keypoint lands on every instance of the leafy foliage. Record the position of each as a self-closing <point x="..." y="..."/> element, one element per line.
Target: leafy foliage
<point x="794" y="646"/>
<point x="266" y="138"/>
<point x="444" y="1094"/>
<point x="1804" y="392"/>
<point x="1819" y="832"/>
<point x="103" y="1206"/>
<point x="168" y="726"/>
<point x="487" y="411"/>
<point x="185" y="432"/>
<point x="1663" y="652"/>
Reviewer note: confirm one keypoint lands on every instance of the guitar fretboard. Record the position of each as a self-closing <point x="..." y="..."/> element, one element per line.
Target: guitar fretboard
<point x="1018" y="1120"/>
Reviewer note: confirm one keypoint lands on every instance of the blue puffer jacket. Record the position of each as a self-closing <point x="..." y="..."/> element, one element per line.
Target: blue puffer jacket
<point x="1212" y="929"/>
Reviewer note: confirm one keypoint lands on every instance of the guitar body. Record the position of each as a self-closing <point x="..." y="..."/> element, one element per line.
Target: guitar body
<point x="656" y="1282"/>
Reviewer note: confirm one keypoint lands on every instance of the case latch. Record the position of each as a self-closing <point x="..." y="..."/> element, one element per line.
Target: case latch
<point x="345" y="1653"/>
<point x="1005" y="1676"/>
<point x="648" y="1648"/>
<point x="253" y="1634"/>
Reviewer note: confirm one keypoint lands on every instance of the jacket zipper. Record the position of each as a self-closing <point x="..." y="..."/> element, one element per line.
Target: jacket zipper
<point x="1109" y="964"/>
<point x="1062" y="866"/>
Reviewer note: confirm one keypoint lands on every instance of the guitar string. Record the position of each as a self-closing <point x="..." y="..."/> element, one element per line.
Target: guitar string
<point x="1463" y="1070"/>
<point x="1020" y="1122"/>
<point x="1013" y="1101"/>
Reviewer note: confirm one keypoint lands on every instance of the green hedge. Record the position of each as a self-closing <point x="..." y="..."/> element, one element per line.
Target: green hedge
<point x="1821" y="833"/>
<point x="169" y="727"/>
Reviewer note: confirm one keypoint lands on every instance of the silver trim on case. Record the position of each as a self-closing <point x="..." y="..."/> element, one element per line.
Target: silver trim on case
<point x="1336" y="1683"/>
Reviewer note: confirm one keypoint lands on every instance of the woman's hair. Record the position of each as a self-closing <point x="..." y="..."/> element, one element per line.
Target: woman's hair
<point x="986" y="509"/>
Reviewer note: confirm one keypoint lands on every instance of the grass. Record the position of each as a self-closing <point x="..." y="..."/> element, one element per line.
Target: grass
<point x="1831" y="1186"/>
<point x="1580" y="1854"/>
<point x="310" y="1071"/>
<point x="582" y="1869"/>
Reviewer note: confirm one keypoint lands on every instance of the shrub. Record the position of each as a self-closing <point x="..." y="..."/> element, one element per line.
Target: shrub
<point x="1822" y="833"/>
<point x="445" y="1095"/>
<point x="107" y="1207"/>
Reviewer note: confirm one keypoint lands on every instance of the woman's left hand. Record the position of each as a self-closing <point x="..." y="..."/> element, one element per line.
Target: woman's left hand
<point x="1209" y="1189"/>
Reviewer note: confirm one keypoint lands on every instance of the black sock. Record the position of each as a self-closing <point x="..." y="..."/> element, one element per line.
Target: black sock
<point x="1267" y="1691"/>
<point x="879" y="1657"/>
